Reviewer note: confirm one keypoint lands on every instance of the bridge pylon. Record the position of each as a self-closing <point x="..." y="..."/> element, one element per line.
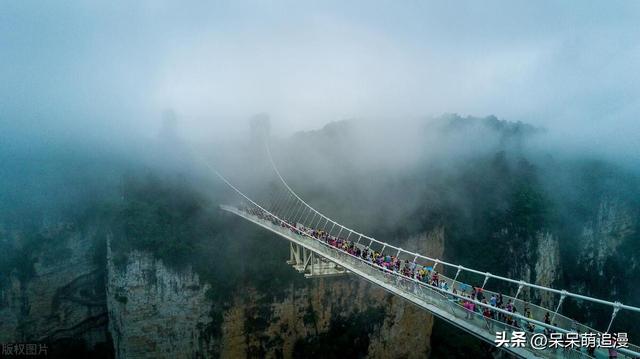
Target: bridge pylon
<point x="311" y="264"/>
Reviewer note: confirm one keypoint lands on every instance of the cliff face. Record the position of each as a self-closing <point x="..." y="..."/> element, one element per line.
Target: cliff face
<point x="312" y="316"/>
<point x="595" y="254"/>
<point x="147" y="309"/>
<point x="318" y="314"/>
<point x="56" y="292"/>
<point x="548" y="265"/>
<point x="155" y="312"/>
<point x="158" y="312"/>
<point x="601" y="237"/>
<point x="143" y="309"/>
<point x="325" y="312"/>
<point x="606" y="255"/>
<point x="535" y="259"/>
<point x="597" y="257"/>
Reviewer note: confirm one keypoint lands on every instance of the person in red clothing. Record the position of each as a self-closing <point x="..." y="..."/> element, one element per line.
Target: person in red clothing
<point x="434" y="278"/>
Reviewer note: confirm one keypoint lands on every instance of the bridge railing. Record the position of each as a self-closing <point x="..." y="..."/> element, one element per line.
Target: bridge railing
<point x="445" y="300"/>
<point x="431" y="295"/>
<point x="616" y="306"/>
<point x="425" y="292"/>
<point x="537" y="312"/>
<point x="340" y="229"/>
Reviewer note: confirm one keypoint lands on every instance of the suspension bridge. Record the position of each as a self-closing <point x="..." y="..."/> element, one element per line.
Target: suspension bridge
<point x="320" y="246"/>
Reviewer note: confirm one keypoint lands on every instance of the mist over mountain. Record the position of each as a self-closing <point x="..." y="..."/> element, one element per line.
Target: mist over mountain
<point x="499" y="135"/>
<point x="498" y="200"/>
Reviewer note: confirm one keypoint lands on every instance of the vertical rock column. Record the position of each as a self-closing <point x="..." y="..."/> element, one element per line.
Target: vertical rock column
<point x="155" y="312"/>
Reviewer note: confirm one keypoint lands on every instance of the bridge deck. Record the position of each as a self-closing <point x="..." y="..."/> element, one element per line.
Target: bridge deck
<point x="436" y="300"/>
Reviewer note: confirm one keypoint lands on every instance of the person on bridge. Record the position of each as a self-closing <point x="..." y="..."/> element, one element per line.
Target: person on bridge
<point x="427" y="275"/>
<point x="510" y="306"/>
<point x="486" y="313"/>
<point x="422" y="273"/>
<point x="434" y="279"/>
<point x="469" y="306"/>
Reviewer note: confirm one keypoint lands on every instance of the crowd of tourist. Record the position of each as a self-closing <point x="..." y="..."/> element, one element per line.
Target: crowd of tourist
<point x="463" y="294"/>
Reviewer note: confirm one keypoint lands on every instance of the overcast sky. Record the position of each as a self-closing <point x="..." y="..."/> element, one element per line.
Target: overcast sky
<point x="89" y="64"/>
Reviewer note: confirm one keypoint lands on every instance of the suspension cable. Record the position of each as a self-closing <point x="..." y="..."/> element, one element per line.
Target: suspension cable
<point x="488" y="275"/>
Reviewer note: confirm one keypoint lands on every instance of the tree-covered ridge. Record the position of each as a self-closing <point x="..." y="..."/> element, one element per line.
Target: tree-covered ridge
<point x="493" y="205"/>
<point x="184" y="227"/>
<point x="167" y="220"/>
<point x="21" y="250"/>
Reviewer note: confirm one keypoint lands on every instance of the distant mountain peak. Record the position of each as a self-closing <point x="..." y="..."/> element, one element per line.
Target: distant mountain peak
<point x="455" y="122"/>
<point x="333" y="129"/>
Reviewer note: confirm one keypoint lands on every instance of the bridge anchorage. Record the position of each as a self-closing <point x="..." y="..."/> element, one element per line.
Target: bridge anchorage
<point x="320" y="246"/>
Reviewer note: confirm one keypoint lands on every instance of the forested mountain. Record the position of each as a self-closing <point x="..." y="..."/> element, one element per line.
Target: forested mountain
<point x="110" y="255"/>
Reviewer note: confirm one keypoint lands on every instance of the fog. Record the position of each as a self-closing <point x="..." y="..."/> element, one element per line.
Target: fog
<point x="501" y="121"/>
<point x="91" y="81"/>
<point x="104" y="69"/>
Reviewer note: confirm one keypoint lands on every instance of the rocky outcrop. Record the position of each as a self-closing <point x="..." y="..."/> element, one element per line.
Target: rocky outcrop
<point x="547" y="265"/>
<point x="430" y="243"/>
<point x="158" y="312"/>
<point x="254" y="327"/>
<point x="155" y="312"/>
<point x="403" y="331"/>
<point x="62" y="298"/>
<point x="613" y="223"/>
<point x="535" y="259"/>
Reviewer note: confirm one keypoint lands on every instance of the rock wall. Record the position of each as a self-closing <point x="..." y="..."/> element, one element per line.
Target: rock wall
<point x="143" y="309"/>
<point x="63" y="299"/>
<point x="154" y="311"/>
<point x="161" y="313"/>
<point x="535" y="259"/>
<point x="601" y="237"/>
<point x="404" y="331"/>
<point x="151" y="310"/>
<point x="310" y="311"/>
<point x="547" y="266"/>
